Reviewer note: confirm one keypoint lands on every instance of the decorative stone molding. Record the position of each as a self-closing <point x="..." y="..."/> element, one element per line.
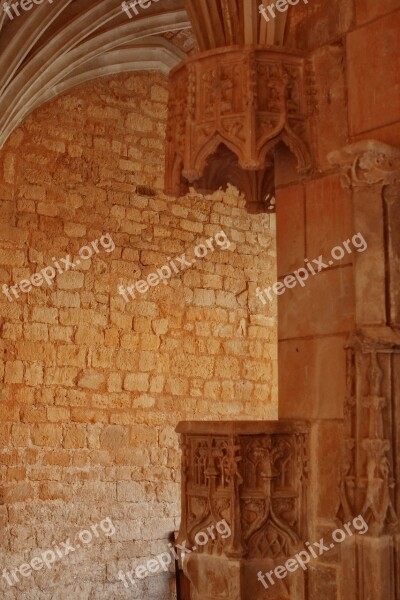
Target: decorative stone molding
<point x="367" y="481"/>
<point x="220" y="23"/>
<point x="367" y="163"/>
<point x="247" y="100"/>
<point x="255" y="476"/>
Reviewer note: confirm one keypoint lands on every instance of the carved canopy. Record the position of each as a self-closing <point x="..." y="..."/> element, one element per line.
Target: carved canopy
<point x="247" y="99"/>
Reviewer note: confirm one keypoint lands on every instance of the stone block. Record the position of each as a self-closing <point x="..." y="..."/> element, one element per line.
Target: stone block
<point x="92" y="380"/>
<point x="14" y="371"/>
<point x="312" y="378"/>
<point x="53" y="490"/>
<point x="368" y="10"/>
<point x="325" y="303"/>
<point x="177" y="386"/>
<point x="160" y="326"/>
<point x="20" y="492"/>
<point x="70" y="280"/>
<point x="130" y="491"/>
<point x="192" y="366"/>
<point x="114" y="382"/>
<point x="89" y="335"/>
<point x="66" y="299"/>
<point x="61" y="376"/>
<point x="57" y="414"/>
<point x="137" y="382"/>
<point x="46" y="435"/>
<point x="370" y="266"/>
<point x="36" y="352"/>
<point x="330" y="119"/>
<point x="74" y="436"/>
<point x="42" y="314"/>
<point x="20" y="435"/>
<point x="328" y="220"/>
<point x="290" y="232"/>
<point x="369" y="68"/>
<point x="33" y="375"/>
<point x="148" y="342"/>
<point x="326" y="453"/>
<point x="36" y="331"/>
<point x="73" y="356"/>
<point x="60" y="334"/>
<point x="323" y="582"/>
<point x="14" y="258"/>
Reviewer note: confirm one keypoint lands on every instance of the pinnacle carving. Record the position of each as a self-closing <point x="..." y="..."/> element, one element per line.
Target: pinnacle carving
<point x="367" y="484"/>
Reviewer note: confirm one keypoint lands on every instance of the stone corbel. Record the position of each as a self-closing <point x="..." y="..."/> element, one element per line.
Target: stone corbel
<point x="228" y="110"/>
<point x="367" y="163"/>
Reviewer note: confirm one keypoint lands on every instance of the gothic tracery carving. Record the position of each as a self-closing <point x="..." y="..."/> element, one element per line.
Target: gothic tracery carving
<point x="248" y="100"/>
<point x="257" y="483"/>
<point x="367" y="485"/>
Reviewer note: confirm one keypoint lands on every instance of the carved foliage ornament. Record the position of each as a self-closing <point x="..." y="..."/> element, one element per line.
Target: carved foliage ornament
<point x="367" y="162"/>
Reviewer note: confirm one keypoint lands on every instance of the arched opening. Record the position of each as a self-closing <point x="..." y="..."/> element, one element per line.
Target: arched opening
<point x="257" y="186"/>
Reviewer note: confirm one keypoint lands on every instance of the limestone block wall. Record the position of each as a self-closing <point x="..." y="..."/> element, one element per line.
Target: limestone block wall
<point x="92" y="386"/>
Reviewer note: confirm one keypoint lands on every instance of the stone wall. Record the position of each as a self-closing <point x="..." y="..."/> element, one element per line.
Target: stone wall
<point x="92" y="385"/>
<point x="354" y="48"/>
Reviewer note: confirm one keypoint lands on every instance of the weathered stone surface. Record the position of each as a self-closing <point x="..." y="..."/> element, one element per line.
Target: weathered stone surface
<point x="93" y="386"/>
<point x="374" y="66"/>
<point x="317" y="378"/>
<point x="245" y="463"/>
<point x="290" y="238"/>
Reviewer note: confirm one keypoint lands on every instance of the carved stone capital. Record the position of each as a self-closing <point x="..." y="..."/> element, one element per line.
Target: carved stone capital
<point x="367" y="163"/>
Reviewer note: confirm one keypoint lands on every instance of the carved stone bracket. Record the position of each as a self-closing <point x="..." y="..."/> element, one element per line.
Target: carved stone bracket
<point x="367" y="482"/>
<point x="246" y="99"/>
<point x="255" y="476"/>
<point x="367" y="162"/>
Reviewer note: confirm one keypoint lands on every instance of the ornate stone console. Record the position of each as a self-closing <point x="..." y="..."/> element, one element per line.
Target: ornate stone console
<point x="228" y="108"/>
<point x="253" y="475"/>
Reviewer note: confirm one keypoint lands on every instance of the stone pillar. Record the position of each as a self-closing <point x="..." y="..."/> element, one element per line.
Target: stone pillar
<point x="253" y="475"/>
<point x="370" y="469"/>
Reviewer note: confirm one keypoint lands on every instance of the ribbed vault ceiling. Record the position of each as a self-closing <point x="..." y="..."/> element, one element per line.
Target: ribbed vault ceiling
<point x="56" y="45"/>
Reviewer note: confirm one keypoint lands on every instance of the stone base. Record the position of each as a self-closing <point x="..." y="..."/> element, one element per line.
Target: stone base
<point x="220" y="578"/>
<point x="369" y="568"/>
